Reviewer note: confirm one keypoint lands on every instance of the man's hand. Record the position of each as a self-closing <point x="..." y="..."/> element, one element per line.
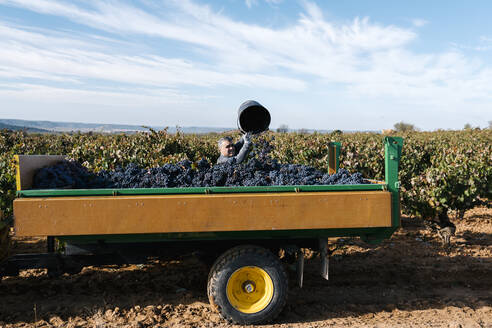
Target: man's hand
<point x="247" y="138"/>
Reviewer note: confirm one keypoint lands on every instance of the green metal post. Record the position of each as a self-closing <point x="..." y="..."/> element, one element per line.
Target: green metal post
<point x="333" y="157"/>
<point x="190" y="190"/>
<point x="392" y="154"/>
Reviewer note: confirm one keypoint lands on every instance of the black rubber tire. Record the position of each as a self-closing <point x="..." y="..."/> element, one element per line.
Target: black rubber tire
<point x="227" y="264"/>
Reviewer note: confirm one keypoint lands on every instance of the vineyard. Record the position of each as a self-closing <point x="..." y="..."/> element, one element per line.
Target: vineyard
<point x="439" y="171"/>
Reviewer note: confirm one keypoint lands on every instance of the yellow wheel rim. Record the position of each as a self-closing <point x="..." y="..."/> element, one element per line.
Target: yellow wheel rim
<point x="250" y="289"/>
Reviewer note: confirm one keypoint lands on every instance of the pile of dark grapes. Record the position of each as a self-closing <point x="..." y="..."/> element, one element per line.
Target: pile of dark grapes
<point x="67" y="175"/>
<point x="260" y="170"/>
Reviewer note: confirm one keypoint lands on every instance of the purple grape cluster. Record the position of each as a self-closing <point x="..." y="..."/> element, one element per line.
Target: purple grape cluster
<point x="260" y="170"/>
<point x="67" y="175"/>
<point x="71" y="175"/>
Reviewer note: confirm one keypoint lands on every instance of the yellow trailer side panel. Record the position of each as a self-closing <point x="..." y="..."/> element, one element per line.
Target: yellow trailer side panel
<point x="64" y="216"/>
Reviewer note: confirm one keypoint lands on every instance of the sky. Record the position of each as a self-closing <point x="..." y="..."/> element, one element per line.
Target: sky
<point x="348" y="65"/>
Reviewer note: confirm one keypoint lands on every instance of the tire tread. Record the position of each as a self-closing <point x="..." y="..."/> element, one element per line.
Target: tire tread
<point x="228" y="257"/>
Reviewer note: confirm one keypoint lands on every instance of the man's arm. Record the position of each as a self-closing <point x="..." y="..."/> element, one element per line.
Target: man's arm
<point x="239" y="145"/>
<point x="246" y="146"/>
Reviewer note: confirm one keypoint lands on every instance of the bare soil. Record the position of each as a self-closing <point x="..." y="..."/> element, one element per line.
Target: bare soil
<point x="410" y="280"/>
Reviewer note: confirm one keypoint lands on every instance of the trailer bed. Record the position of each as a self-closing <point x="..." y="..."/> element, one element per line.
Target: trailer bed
<point x="143" y="214"/>
<point x="368" y="210"/>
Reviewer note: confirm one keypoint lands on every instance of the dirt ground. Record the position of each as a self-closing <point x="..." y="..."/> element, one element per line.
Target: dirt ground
<point x="407" y="281"/>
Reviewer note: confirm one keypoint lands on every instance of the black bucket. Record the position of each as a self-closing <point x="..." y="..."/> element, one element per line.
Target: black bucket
<point x="253" y="117"/>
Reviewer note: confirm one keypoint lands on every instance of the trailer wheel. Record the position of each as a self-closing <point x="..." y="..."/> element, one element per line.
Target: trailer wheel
<point x="248" y="285"/>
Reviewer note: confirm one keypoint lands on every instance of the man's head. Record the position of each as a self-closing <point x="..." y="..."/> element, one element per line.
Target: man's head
<point x="226" y="147"/>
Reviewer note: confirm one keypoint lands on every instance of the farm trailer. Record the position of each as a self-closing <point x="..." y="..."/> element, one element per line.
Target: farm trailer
<point x="240" y="230"/>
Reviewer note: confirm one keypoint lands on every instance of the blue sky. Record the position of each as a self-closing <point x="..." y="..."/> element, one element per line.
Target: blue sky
<point x="350" y="65"/>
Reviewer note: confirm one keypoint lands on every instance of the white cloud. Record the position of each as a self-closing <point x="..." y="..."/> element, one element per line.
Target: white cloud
<point x="58" y="58"/>
<point x="486" y="39"/>
<point x="124" y="105"/>
<point x="484" y="44"/>
<point x="360" y="57"/>
<point x="250" y="3"/>
<point x="418" y="22"/>
<point x="122" y="97"/>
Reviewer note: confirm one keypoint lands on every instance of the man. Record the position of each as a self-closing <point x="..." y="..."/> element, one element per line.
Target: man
<point x="234" y="153"/>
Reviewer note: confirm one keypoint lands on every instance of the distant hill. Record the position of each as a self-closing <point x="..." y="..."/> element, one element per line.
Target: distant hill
<point x="53" y="127"/>
<point x="17" y="128"/>
<point x="49" y="126"/>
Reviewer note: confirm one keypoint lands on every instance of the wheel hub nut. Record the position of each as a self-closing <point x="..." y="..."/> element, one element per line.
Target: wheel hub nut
<point x="249" y="287"/>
